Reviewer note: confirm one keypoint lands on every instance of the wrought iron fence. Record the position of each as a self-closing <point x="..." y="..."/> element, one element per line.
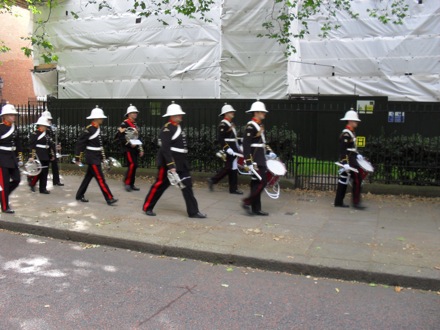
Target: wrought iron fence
<point x="302" y="132"/>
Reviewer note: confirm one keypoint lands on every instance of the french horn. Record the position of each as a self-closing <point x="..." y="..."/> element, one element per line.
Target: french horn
<point x="32" y="167"/>
<point x="109" y="163"/>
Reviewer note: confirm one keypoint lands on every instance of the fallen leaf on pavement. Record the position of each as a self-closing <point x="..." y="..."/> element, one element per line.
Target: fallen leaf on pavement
<point x="337" y="290"/>
<point x="225" y="285"/>
<point x="229" y="269"/>
<point x="372" y="284"/>
<point x="397" y="289"/>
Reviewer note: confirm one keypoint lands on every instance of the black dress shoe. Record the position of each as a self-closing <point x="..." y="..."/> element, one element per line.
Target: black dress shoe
<point x="198" y="215"/>
<point x="127" y="187"/>
<point x="247" y="208"/>
<point x="47" y="192"/>
<point x="237" y="192"/>
<point x="359" y="207"/>
<point x="210" y="185"/>
<point x="112" y="201"/>
<point x="133" y="187"/>
<point x="83" y="199"/>
<point x="150" y="213"/>
<point x="59" y="184"/>
<point x="341" y="205"/>
<point x="32" y="188"/>
<point x="260" y="213"/>
<point x="8" y="210"/>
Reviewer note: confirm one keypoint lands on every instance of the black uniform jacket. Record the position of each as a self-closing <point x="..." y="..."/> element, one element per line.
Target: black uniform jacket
<point x="173" y="147"/>
<point x="254" y="143"/>
<point x="40" y="144"/>
<point x="90" y="137"/>
<point x="51" y="133"/>
<point x="9" y="140"/>
<point x="227" y="136"/>
<point x="347" y="147"/>
<point x="121" y="137"/>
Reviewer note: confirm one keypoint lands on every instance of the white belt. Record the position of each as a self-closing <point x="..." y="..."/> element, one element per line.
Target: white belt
<point x="182" y="151"/>
<point x="258" y="145"/>
<point x="7" y="148"/>
<point x="42" y="146"/>
<point x="94" y="148"/>
<point x="231" y="140"/>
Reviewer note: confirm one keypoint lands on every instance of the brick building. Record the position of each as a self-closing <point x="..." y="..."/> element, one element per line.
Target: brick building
<point x="15" y="67"/>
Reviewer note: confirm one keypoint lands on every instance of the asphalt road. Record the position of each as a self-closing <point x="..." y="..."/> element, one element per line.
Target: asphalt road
<point x="51" y="284"/>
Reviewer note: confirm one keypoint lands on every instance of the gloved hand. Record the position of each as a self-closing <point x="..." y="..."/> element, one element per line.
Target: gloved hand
<point x="360" y="157"/>
<point x="346" y="167"/>
<point x="20" y="163"/>
<point x="272" y="155"/>
<point x="250" y="167"/>
<point x="231" y="152"/>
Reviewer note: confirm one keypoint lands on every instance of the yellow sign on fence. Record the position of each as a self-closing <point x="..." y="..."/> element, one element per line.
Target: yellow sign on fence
<point x="361" y="141"/>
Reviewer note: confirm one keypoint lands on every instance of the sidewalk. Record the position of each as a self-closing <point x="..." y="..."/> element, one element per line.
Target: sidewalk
<point x="396" y="241"/>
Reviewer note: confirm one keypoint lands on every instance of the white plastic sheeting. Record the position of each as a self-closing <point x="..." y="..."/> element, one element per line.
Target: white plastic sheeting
<point x="105" y="54"/>
<point x="371" y="58"/>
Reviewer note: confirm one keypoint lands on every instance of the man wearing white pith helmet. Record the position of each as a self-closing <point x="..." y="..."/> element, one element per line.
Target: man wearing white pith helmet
<point x="41" y="149"/>
<point x="227" y="137"/>
<point x="254" y="152"/>
<point x="90" y="143"/>
<point x="55" y="149"/>
<point x="11" y="155"/>
<point x="132" y="149"/>
<point x="348" y="157"/>
<point x="172" y="156"/>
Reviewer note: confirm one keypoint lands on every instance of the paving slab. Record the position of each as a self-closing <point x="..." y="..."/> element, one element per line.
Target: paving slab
<point x="395" y="241"/>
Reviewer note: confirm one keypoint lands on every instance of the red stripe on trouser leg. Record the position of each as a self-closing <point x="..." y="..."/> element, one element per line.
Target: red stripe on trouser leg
<point x="160" y="178"/>
<point x="101" y="182"/>
<point x="3" y="192"/>
<point x="130" y="168"/>
<point x="34" y="180"/>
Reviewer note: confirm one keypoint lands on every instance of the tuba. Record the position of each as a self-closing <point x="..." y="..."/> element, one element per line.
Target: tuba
<point x="108" y="163"/>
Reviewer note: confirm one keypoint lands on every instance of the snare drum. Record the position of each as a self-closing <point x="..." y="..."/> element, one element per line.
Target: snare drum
<point x="365" y="167"/>
<point x="275" y="169"/>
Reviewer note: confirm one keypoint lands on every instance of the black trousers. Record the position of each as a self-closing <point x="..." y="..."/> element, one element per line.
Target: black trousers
<point x="55" y="172"/>
<point x="132" y="163"/>
<point x="232" y="176"/>
<point x="356" y="183"/>
<point x="42" y="177"/>
<point x="9" y="180"/>
<point x="257" y="186"/>
<point x="162" y="183"/>
<point x="94" y="171"/>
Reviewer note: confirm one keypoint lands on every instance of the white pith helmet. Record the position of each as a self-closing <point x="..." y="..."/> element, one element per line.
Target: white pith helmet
<point x="226" y="108"/>
<point x="258" y="106"/>
<point x="97" y="113"/>
<point x="9" y="109"/>
<point x="174" y="110"/>
<point x="351" y="115"/>
<point x="131" y="109"/>
<point x="47" y="114"/>
<point x="43" y="121"/>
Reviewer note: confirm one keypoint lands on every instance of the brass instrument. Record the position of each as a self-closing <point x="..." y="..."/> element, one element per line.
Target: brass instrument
<point x="109" y="163"/>
<point x="175" y="179"/>
<point x="132" y="136"/>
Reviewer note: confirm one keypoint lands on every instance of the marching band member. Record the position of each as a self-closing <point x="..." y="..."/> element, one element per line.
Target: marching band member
<point x="254" y="151"/>
<point x="172" y="157"/>
<point x="131" y="151"/>
<point x="227" y="136"/>
<point x="90" y="143"/>
<point x="348" y="157"/>
<point x="11" y="155"/>
<point x="55" y="148"/>
<point x="41" y="149"/>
